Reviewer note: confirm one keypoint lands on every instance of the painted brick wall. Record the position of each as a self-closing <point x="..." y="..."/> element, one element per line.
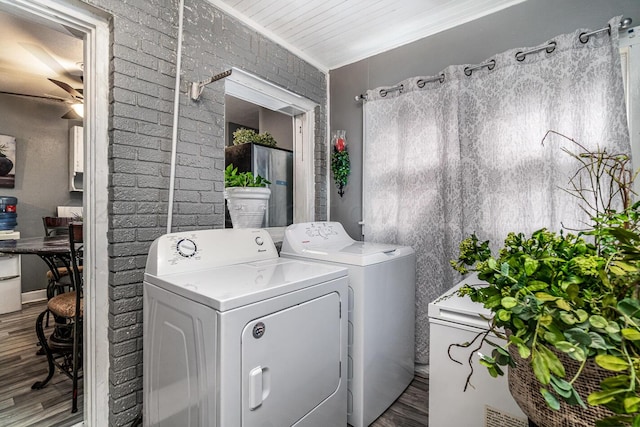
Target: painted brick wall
<point x="143" y="58"/>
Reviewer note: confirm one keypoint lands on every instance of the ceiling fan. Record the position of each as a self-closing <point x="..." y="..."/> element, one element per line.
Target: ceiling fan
<point x="75" y="99"/>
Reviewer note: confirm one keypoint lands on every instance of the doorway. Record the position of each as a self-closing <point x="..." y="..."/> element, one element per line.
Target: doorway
<point x="92" y="26"/>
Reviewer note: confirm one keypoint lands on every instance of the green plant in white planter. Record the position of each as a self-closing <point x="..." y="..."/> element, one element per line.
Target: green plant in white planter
<point x="247" y="197"/>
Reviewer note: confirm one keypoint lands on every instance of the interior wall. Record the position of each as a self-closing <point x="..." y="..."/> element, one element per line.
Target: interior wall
<point x="526" y="24"/>
<point x="42" y="171"/>
<point x="279" y="125"/>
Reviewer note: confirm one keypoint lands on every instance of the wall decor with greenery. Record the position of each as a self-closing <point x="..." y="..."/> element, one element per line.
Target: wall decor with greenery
<point x="340" y="164"/>
<point x="570" y="296"/>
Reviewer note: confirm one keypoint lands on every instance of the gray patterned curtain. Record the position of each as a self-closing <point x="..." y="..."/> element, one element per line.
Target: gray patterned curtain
<point x="446" y="159"/>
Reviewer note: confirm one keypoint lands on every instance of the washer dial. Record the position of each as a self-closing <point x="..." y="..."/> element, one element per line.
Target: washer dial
<point x="186" y="248"/>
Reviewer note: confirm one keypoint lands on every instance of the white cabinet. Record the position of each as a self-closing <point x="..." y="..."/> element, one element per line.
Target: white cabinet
<point x="10" y="282"/>
<point x="76" y="158"/>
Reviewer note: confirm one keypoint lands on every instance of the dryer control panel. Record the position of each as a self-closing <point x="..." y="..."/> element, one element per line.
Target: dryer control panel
<point x="203" y="249"/>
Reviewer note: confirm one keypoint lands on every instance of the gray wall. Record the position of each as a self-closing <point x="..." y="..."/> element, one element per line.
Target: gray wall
<point x="525" y="24"/>
<point x="42" y="171"/>
<point x="142" y="64"/>
<point x="279" y="125"/>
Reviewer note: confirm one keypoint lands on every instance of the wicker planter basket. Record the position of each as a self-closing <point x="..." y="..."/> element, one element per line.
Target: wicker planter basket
<point x="525" y="389"/>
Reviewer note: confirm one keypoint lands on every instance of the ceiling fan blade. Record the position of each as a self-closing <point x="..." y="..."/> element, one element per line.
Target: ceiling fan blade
<point x="74" y="32"/>
<point x="48" y="98"/>
<point x="73" y="92"/>
<point x="71" y="115"/>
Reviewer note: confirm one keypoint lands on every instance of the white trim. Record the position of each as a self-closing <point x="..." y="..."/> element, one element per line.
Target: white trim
<point x="96" y="89"/>
<point x="96" y="365"/>
<point x="269" y="34"/>
<point x="304" y="167"/>
<point x="34" y="296"/>
<point x="248" y="87"/>
<point x="327" y="178"/>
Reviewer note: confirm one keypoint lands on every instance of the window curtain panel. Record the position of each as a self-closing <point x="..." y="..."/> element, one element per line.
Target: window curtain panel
<point x="463" y="155"/>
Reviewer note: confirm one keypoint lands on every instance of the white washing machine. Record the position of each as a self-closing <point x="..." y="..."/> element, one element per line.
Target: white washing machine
<point x="381" y="312"/>
<point x="487" y="402"/>
<point x="236" y="336"/>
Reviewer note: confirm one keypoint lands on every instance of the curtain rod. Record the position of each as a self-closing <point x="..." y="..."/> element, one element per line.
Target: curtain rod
<point x="196" y="88"/>
<point x="520" y="56"/>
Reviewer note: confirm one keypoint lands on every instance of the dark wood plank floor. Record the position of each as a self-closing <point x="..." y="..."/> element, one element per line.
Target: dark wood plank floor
<point x="20" y="367"/>
<point x="411" y="409"/>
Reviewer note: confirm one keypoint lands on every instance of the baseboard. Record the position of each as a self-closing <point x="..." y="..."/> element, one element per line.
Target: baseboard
<point x="33" y="296"/>
<point x="422" y="369"/>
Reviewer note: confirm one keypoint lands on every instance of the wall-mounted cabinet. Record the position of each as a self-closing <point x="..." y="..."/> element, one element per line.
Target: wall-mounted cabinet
<point x="76" y="158"/>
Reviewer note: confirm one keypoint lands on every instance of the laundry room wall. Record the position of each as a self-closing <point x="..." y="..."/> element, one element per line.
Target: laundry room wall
<point x="143" y="67"/>
<point x="529" y="23"/>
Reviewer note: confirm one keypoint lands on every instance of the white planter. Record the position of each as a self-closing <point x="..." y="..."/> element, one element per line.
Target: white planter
<point x="247" y="205"/>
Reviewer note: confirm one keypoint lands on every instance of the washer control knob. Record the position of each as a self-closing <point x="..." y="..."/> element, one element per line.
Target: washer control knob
<point x="186" y="248"/>
<point x="259" y="241"/>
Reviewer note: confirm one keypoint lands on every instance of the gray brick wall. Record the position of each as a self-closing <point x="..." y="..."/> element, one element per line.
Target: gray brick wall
<point x="143" y="58"/>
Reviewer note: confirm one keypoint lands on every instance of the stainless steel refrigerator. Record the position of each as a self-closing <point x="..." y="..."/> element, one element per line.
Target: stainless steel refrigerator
<point x="274" y="164"/>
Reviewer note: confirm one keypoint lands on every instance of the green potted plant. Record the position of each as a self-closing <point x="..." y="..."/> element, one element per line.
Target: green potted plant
<point x="247" y="197"/>
<point x="244" y="136"/>
<point x="569" y="305"/>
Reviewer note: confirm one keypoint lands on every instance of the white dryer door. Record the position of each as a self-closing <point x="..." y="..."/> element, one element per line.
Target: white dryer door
<point x="290" y="362"/>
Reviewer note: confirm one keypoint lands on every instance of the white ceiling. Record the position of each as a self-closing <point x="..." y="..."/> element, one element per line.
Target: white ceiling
<point x="333" y="33"/>
<point x="32" y="51"/>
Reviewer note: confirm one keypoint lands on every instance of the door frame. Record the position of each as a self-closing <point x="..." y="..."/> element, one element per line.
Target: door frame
<point x="95" y="198"/>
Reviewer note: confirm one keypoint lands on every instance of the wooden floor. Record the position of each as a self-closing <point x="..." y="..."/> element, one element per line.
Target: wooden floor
<point x="411" y="408"/>
<point x="20" y="367"/>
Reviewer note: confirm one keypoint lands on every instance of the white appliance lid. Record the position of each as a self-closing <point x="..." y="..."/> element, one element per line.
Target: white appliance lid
<point x="452" y="308"/>
<point x="229" y="268"/>
<point x="328" y="241"/>
<point x="227" y="287"/>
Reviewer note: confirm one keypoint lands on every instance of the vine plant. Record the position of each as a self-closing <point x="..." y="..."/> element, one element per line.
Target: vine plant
<point x="575" y="294"/>
<point x="340" y="164"/>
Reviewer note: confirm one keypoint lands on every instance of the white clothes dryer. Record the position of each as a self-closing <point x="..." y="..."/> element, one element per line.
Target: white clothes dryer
<point x="381" y="312"/>
<point x="236" y="336"/>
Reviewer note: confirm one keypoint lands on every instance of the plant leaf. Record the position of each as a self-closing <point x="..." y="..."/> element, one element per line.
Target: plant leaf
<point x="597" y="341"/>
<point x="553" y="363"/>
<point x="530" y="265"/>
<point x="629" y="307"/>
<point x="631" y="404"/>
<point x="563" y="304"/>
<point x="602" y="397"/>
<point x="550" y="399"/>
<point x="631" y="334"/>
<point x="611" y="363"/>
<point x="544" y="297"/>
<point x="598" y="321"/>
<point x="509" y="302"/>
<point x="540" y="368"/>
<point x="577" y="335"/>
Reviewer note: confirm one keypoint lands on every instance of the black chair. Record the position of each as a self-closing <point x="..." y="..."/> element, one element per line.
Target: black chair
<point x="63" y="347"/>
